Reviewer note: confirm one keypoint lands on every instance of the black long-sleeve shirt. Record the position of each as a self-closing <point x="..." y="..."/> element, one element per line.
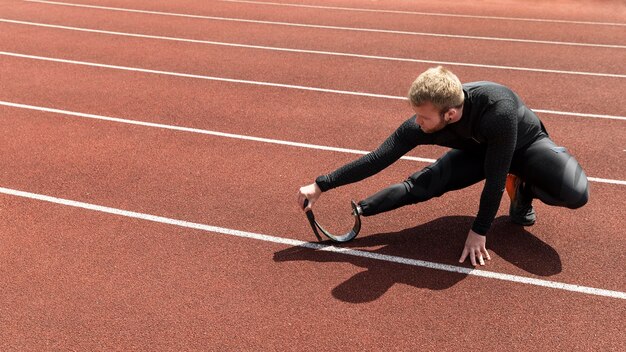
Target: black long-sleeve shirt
<point x="494" y="120"/>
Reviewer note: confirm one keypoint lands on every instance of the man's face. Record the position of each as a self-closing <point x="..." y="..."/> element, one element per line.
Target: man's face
<point x="429" y="118"/>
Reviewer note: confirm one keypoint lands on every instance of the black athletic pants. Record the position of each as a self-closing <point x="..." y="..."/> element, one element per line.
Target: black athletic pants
<point x="550" y="174"/>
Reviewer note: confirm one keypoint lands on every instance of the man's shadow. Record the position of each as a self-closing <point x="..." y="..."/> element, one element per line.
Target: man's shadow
<point x="438" y="241"/>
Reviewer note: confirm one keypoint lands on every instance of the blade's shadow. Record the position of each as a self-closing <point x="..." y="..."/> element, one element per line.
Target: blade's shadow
<point x="439" y="241"/>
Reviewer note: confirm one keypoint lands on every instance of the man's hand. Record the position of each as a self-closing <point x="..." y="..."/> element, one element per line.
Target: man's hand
<point x="310" y="192"/>
<point x="475" y="248"/>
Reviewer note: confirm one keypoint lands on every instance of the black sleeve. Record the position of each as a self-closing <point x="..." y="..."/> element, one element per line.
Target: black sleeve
<point x="405" y="138"/>
<point x="499" y="127"/>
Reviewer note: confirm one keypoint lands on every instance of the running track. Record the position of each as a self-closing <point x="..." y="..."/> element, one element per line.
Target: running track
<point x="152" y="152"/>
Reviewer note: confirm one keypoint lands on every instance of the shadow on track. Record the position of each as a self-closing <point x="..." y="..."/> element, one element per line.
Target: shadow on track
<point x="439" y="241"/>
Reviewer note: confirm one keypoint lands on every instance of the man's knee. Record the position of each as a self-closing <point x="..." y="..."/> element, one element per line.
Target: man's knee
<point x="575" y="188"/>
<point x="578" y="198"/>
<point x="422" y="184"/>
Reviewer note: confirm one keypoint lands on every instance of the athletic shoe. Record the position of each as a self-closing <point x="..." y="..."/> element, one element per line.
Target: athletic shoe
<point x="521" y="210"/>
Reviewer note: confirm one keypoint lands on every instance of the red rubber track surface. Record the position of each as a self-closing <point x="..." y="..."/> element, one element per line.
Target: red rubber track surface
<point x="77" y="279"/>
<point x="265" y="111"/>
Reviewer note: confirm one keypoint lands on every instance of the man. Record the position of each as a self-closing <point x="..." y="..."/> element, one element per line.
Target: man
<point x="492" y="134"/>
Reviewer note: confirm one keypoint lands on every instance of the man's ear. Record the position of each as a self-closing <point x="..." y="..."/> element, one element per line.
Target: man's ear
<point x="452" y="114"/>
<point x="448" y="115"/>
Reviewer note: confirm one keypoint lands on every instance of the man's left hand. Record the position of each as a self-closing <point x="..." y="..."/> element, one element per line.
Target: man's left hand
<point x="475" y="248"/>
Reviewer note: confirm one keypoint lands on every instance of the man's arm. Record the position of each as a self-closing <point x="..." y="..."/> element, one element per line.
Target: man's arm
<point x="405" y="138"/>
<point x="499" y="126"/>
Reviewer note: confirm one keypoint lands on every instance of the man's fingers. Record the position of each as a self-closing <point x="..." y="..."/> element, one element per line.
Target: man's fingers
<point x="308" y="204"/>
<point x="487" y="254"/>
<point x="481" y="261"/>
<point x="473" y="258"/>
<point x="463" y="255"/>
<point x="303" y="202"/>
<point x="307" y="195"/>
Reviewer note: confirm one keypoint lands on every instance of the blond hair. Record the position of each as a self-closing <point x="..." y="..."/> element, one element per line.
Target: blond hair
<point x="438" y="86"/>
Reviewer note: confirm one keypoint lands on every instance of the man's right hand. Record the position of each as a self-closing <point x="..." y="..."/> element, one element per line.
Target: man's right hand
<point x="310" y="192"/>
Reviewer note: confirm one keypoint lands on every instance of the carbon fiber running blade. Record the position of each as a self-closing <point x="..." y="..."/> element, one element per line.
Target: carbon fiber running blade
<point x="311" y="217"/>
<point x="312" y="222"/>
<point x="348" y="236"/>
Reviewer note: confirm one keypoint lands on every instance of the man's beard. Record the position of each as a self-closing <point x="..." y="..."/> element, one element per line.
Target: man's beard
<point x="442" y="123"/>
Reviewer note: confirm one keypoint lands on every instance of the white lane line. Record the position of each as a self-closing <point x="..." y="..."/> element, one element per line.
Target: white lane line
<point x="302" y="25"/>
<point x="605" y="180"/>
<point x="291" y="242"/>
<point x="269" y="84"/>
<point x="235" y="136"/>
<point x="209" y="78"/>
<point x="426" y="13"/>
<point x="201" y="131"/>
<point x="316" y="52"/>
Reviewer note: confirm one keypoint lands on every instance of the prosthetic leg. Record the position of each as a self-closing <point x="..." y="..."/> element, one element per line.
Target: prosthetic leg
<point x="341" y="238"/>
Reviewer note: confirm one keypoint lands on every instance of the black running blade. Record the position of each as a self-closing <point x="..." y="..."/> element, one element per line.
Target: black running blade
<point x="341" y="238"/>
<point x="311" y="217"/>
